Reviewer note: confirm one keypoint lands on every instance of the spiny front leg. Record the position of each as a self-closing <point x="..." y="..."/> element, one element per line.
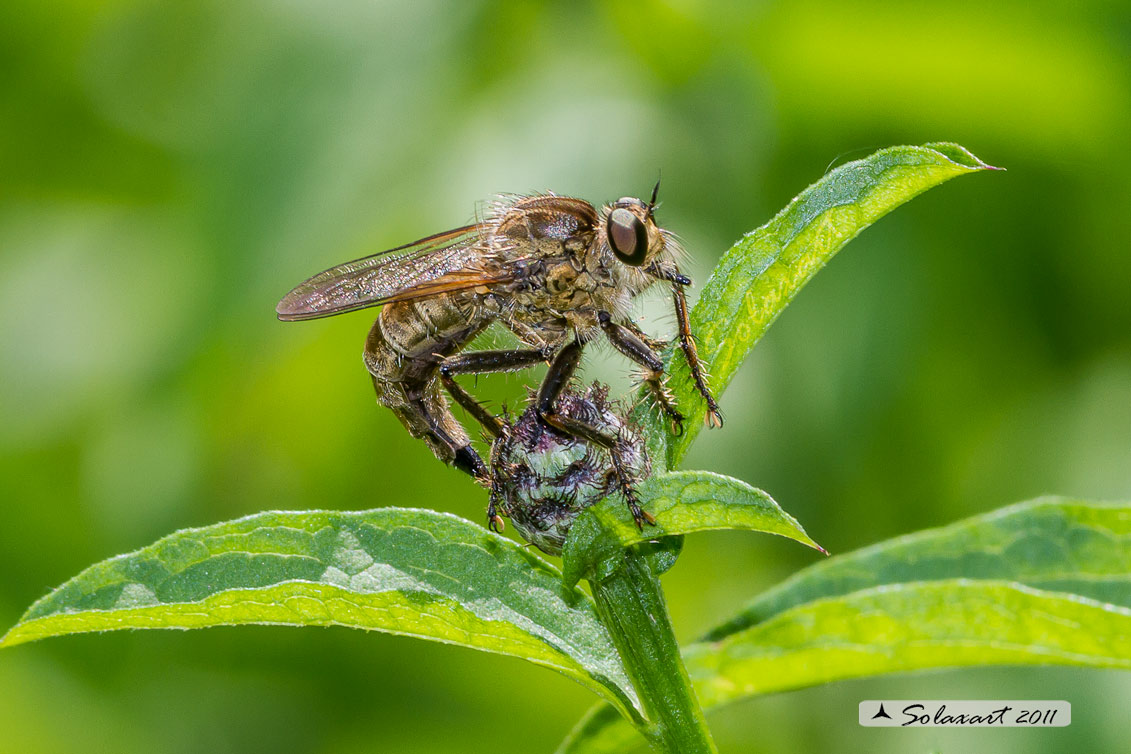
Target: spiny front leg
<point x="714" y="417"/>
<point x="632" y="346"/>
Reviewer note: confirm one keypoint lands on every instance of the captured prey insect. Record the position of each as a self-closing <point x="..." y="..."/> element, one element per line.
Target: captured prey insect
<point x="554" y="270"/>
<point x="542" y="479"/>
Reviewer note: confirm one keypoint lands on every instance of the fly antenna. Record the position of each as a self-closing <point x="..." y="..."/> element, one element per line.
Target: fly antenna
<point x="655" y="193"/>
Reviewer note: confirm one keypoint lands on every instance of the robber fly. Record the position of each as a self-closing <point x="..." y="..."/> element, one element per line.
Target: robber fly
<point x="555" y="271"/>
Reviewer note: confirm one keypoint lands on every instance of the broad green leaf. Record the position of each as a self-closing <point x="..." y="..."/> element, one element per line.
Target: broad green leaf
<point x="760" y="275"/>
<point x="1051" y="543"/>
<point x="682" y="502"/>
<point x="905" y="627"/>
<point x="410" y="572"/>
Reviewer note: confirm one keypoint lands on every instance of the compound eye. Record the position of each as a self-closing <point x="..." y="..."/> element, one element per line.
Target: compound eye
<point x="627" y="237"/>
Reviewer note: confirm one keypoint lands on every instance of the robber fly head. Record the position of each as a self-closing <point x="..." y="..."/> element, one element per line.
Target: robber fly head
<point x="630" y="229"/>
<point x="631" y="232"/>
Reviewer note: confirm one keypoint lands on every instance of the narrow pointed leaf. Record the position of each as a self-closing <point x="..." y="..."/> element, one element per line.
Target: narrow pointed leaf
<point x="682" y="502"/>
<point x="602" y="730"/>
<point x="1051" y="543"/>
<point x="907" y="627"/>
<point x="889" y="629"/>
<point x="1042" y="582"/>
<point x="760" y="275"/>
<point x="410" y="572"/>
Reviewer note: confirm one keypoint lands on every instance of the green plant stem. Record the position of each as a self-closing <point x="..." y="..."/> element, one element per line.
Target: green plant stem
<point x="630" y="602"/>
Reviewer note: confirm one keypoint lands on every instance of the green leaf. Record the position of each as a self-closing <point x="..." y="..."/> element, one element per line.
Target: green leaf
<point x="1050" y="543"/>
<point x="410" y="572"/>
<point x="905" y="627"/>
<point x="601" y="730"/>
<point x="1042" y="582"/>
<point x="682" y="502"/>
<point x="761" y="274"/>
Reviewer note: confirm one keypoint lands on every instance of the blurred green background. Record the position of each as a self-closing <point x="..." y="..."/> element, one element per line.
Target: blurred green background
<point x="169" y="169"/>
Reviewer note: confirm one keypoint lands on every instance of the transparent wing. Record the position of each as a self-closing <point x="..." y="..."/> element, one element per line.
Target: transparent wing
<point x="438" y="264"/>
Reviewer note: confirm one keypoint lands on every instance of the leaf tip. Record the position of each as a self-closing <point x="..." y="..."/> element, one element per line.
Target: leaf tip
<point x="809" y="542"/>
<point x="960" y="155"/>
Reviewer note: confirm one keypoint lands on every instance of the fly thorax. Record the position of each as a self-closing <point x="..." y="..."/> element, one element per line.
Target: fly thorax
<point x="610" y="289"/>
<point x="561" y="278"/>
